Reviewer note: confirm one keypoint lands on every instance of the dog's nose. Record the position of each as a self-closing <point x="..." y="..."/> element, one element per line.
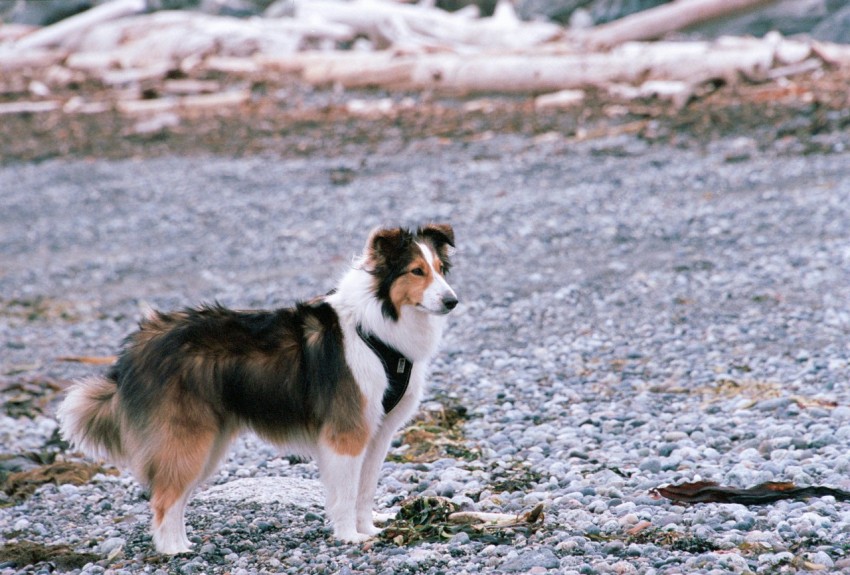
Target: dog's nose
<point x="450" y="302"/>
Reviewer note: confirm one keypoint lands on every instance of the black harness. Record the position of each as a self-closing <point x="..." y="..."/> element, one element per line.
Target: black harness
<point x="396" y="367"/>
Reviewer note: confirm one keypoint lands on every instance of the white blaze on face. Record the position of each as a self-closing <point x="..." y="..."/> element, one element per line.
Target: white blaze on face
<point x="438" y="297"/>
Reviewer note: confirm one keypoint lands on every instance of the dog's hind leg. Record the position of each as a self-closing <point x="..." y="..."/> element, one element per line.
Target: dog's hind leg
<point x="174" y="471"/>
<point x="169" y="527"/>
<point x="217" y="451"/>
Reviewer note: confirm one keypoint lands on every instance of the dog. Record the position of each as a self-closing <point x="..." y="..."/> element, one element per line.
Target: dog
<point x="333" y="378"/>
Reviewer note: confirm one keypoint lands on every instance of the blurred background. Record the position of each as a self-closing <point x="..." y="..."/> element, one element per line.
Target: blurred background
<point x="123" y="77"/>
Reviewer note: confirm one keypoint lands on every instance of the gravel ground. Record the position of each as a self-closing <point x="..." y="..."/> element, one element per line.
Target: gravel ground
<point x="631" y="315"/>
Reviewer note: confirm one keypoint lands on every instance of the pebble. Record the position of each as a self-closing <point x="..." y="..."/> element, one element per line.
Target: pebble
<point x="21" y="524"/>
<point x="112" y="544"/>
<point x="528" y="560"/>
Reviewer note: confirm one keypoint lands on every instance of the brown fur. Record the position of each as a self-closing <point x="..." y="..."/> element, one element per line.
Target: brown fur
<point x="408" y="289"/>
<point x="177" y="465"/>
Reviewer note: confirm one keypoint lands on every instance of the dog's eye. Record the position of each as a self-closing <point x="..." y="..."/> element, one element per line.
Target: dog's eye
<point x="417" y="271"/>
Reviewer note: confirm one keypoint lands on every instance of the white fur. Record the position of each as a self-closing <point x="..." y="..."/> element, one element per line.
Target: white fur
<point x="69" y="414"/>
<point x="416" y="334"/>
<point x="170" y="535"/>
<point x="439" y="290"/>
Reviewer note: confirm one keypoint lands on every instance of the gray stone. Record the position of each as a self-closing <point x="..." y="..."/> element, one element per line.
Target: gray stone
<point x="526" y="560"/>
<point x="773" y="403"/>
<point x="651" y="465"/>
<point x="291" y="491"/>
<point x="111" y="545"/>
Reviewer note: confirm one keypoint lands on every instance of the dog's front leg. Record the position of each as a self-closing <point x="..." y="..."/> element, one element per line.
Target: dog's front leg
<point x="375" y="455"/>
<point x="339" y="474"/>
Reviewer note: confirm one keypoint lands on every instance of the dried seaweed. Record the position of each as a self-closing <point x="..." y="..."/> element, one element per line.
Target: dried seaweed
<point x="520" y="480"/>
<point x="435" y="434"/>
<point x="437" y="519"/>
<point x="686" y="542"/>
<point x="23" y="553"/>
<point x="421" y="519"/>
<point x="22" y="484"/>
<point x="28" y="398"/>
<point x="761" y="494"/>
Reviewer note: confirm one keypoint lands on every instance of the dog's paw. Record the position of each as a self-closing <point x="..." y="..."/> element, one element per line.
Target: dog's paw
<point x="369" y="530"/>
<point x="354" y="537"/>
<point x="171" y="543"/>
<point x="173" y="547"/>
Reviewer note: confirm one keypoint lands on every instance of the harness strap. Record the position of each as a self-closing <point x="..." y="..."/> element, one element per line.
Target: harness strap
<point x="396" y="367"/>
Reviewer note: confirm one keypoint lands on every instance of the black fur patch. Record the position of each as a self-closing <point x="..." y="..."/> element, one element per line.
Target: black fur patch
<point x="279" y="372"/>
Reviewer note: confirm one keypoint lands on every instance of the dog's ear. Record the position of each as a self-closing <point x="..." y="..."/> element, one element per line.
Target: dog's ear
<point x="442" y="237"/>
<point x="439" y="234"/>
<point x="385" y="246"/>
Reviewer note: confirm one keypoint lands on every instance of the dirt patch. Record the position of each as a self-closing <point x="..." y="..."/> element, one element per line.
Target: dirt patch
<point x="286" y="117"/>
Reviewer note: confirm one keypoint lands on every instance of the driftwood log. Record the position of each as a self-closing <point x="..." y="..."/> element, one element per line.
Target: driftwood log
<point x="58" y="33"/>
<point x="424" y="48"/>
<point x="549" y="71"/>
<point x="656" y="22"/>
<point x="414" y="27"/>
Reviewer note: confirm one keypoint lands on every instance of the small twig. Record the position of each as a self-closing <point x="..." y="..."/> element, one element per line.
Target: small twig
<point x="803" y="67"/>
<point x="89" y="359"/>
<point x="494" y="521"/>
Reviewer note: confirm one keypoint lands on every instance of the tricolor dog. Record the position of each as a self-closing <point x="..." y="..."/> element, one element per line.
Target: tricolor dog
<point x="333" y="378"/>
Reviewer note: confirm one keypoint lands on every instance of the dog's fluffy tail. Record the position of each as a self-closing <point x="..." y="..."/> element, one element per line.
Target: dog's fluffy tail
<point x="89" y="418"/>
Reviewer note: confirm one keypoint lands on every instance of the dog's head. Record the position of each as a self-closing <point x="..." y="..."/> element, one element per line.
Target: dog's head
<point x="410" y="269"/>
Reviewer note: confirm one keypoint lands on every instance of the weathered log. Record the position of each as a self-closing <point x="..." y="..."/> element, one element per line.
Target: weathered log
<point x="408" y="26"/>
<point x="174" y="37"/>
<point x="483" y="520"/>
<point x="134" y="76"/>
<point x="189" y="87"/>
<point x="91" y="61"/>
<point x="29" y="107"/>
<point x="803" y="67"/>
<point x="354" y="69"/>
<point x="60" y="32"/>
<point x="655" y="22"/>
<point x="38" y="58"/>
<point x="11" y="32"/>
<point x="201" y="101"/>
<point x="77" y="105"/>
<point x="691" y="62"/>
<point x="559" y="100"/>
<point x="477" y="517"/>
<point x="833" y="54"/>
<point x="230" y="65"/>
<point x="677" y="92"/>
